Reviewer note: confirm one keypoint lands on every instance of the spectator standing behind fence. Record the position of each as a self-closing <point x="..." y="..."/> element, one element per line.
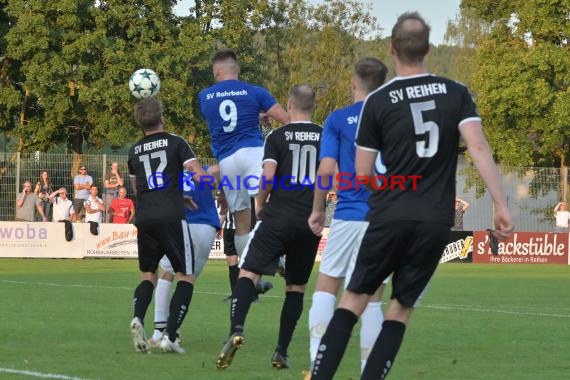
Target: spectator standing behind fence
<point x="330" y="206"/>
<point x="26" y="202"/>
<point x="113" y="181"/>
<point x="122" y="209"/>
<point x="94" y="206"/>
<point x="460" y="207"/>
<point x="81" y="183"/>
<point x="562" y="216"/>
<point x="62" y="206"/>
<point x="43" y="189"/>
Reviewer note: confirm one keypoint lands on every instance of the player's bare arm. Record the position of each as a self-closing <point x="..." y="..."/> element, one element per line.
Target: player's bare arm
<point x="364" y="163"/>
<point x="133" y="180"/>
<point x="326" y="170"/>
<point x="277" y="112"/>
<point x="269" y="169"/>
<point x="189" y="203"/>
<point x="194" y="166"/>
<point x="480" y="152"/>
<point x="214" y="170"/>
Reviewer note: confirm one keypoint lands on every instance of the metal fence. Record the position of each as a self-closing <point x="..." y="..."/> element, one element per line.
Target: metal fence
<point x="532" y="192"/>
<point x="16" y="168"/>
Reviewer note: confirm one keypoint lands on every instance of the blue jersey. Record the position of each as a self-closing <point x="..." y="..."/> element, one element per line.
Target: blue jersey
<point x="207" y="213"/>
<point x="339" y="132"/>
<point x="231" y="109"/>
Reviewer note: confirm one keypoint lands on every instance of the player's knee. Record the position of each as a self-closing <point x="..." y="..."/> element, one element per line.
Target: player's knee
<point x="167" y="275"/>
<point x="251" y="275"/>
<point x="296" y="288"/>
<point x="328" y="284"/>
<point x="186" y="277"/>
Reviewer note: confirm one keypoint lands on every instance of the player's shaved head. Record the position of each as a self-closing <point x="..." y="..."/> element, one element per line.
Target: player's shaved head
<point x="225" y="63"/>
<point x="302" y="97"/>
<point x="410" y="38"/>
<point x="370" y="73"/>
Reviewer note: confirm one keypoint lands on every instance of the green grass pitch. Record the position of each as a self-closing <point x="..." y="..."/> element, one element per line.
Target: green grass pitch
<point x="71" y="317"/>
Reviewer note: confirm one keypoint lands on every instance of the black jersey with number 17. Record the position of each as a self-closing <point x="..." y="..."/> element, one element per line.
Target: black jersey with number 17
<point x="157" y="162"/>
<point x="414" y="121"/>
<point x="295" y="149"/>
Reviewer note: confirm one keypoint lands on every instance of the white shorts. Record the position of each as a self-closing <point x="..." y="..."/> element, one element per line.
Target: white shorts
<point x="343" y="244"/>
<point x="203" y="236"/>
<point x="235" y="170"/>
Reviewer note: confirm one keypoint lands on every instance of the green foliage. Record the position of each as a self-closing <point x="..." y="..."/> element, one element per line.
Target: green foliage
<point x="521" y="80"/>
<point x="464" y="34"/>
<point x="76" y="58"/>
<point x="317" y="45"/>
<point x="65" y="65"/>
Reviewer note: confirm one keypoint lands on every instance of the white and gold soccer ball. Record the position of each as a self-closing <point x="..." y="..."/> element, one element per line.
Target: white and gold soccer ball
<point x="144" y="83"/>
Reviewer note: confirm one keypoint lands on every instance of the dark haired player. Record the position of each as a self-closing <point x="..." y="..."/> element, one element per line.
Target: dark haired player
<point x="155" y="163"/>
<point x="289" y="166"/>
<point x="415" y="120"/>
<point x="231" y="109"/>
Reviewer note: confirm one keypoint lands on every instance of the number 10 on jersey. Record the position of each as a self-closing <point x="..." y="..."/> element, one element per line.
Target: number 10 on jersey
<point x="304" y="162"/>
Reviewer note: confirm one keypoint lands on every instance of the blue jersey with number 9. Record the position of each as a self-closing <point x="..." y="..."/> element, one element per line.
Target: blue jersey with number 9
<point x="231" y="109"/>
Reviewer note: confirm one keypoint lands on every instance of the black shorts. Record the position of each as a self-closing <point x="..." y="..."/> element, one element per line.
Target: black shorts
<point x="229" y="246"/>
<point x="253" y="216"/>
<point x="269" y="242"/>
<point x="172" y="239"/>
<point x="409" y="250"/>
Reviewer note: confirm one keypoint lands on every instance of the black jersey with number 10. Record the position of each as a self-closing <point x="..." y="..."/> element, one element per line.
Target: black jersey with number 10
<point x="295" y="149"/>
<point x="157" y="162"/>
<point x="414" y="122"/>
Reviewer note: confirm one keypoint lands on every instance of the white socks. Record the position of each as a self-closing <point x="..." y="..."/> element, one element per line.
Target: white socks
<point x="161" y="302"/>
<point x="240" y="241"/>
<point x="371" y="324"/>
<point x="320" y="314"/>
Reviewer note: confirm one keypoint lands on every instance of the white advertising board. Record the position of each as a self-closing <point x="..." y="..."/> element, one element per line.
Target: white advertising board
<point x="23" y="239"/>
<point x="47" y="240"/>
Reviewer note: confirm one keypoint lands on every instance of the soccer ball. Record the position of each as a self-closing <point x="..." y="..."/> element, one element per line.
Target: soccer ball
<point x="144" y="83"/>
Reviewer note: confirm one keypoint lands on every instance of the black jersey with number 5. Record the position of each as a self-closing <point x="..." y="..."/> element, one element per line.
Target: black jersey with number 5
<point x="157" y="162"/>
<point x="295" y="149"/>
<point x="414" y="121"/>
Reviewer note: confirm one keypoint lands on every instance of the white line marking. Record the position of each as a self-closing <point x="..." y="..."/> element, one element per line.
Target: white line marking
<point x="487" y="310"/>
<point x="65" y="285"/>
<point x="474" y="308"/>
<point x="39" y="374"/>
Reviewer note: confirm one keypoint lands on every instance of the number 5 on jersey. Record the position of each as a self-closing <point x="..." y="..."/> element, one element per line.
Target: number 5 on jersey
<point x="422" y="127"/>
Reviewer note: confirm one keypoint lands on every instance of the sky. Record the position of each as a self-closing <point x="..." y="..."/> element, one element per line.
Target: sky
<point x="436" y="13"/>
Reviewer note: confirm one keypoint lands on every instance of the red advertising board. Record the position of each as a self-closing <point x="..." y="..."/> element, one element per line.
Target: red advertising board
<point x="523" y="248"/>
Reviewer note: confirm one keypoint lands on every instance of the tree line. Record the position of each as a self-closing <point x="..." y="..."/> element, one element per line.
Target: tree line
<point x="64" y="65"/>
